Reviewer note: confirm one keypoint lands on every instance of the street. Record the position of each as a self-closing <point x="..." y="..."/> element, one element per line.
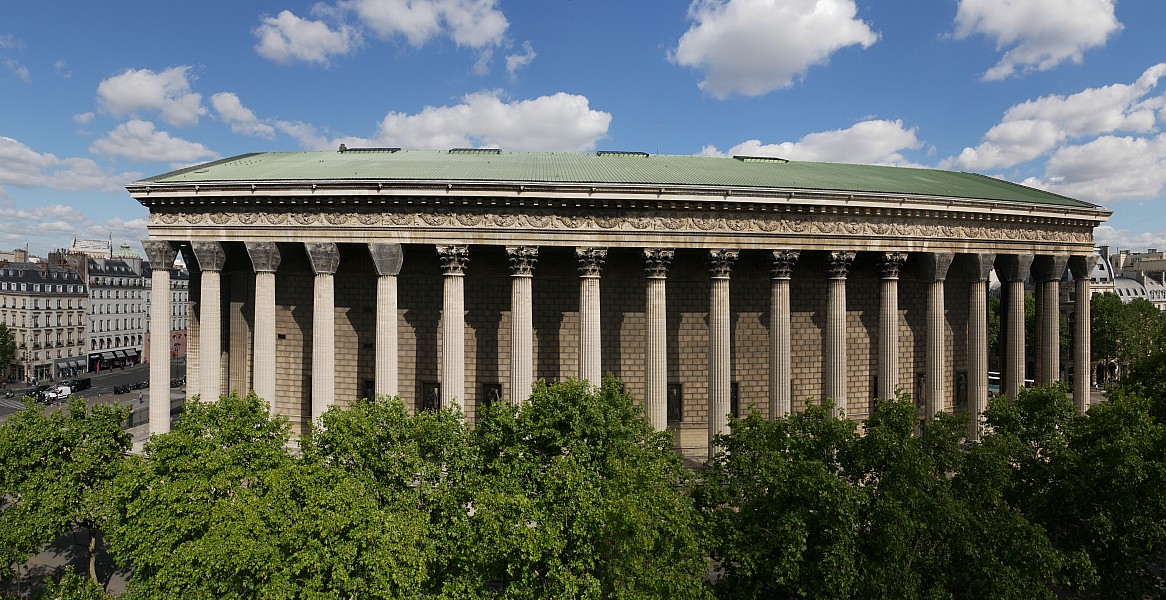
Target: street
<point x="102" y="390"/>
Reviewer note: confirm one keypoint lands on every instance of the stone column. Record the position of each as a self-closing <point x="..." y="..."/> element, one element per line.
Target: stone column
<point x="979" y="270"/>
<point x="1012" y="270"/>
<point x="1082" y="268"/>
<point x="1047" y="271"/>
<point x="325" y="258"/>
<point x="889" y="265"/>
<point x="590" y="265"/>
<point x="720" y="343"/>
<point x="387" y="258"/>
<point x="780" y="370"/>
<point x="265" y="260"/>
<point x="161" y="255"/>
<point x="193" y="328"/>
<point x="935" y="266"/>
<point x="656" y="263"/>
<point x="838" y="266"/>
<point x="210" y="258"/>
<point x="522" y="262"/>
<point x="454" y="260"/>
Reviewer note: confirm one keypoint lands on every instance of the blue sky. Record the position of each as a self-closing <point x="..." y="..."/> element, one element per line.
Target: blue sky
<point x="1058" y="94"/>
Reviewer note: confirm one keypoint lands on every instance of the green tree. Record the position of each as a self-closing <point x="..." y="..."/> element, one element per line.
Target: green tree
<point x="218" y="508"/>
<point x="784" y="520"/>
<point x="1125" y="333"/>
<point x="7" y="350"/>
<point x="57" y="473"/>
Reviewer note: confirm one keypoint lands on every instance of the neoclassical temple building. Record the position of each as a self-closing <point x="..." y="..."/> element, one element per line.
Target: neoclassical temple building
<point x="708" y="285"/>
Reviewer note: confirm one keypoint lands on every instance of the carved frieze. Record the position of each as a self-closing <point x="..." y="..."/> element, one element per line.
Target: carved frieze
<point x="817" y="225"/>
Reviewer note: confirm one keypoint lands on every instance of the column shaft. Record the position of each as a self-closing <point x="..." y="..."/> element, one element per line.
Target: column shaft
<point x="1014" y="352"/>
<point x="1051" y="332"/>
<point x="935" y="377"/>
<point x="386" y="370"/>
<point x="210" y="337"/>
<point x="521" y="337"/>
<point x="720" y="360"/>
<point x="977" y="356"/>
<point x="836" y="377"/>
<point x="323" y="344"/>
<point x="888" y="372"/>
<point x="590" y="351"/>
<point x="656" y="377"/>
<point x="161" y="257"/>
<point x="265" y="336"/>
<point x="780" y="371"/>
<point x="1082" y="269"/>
<point x="454" y="260"/>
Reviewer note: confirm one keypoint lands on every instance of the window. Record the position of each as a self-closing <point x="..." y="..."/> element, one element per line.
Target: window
<point x="675" y="403"/>
<point x="734" y="400"/>
<point x="430" y="396"/>
<point x="491" y="393"/>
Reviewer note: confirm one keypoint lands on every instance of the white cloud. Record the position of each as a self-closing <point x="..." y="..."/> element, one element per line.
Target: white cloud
<point x="1107" y="169"/>
<point x="470" y="23"/>
<point x="1036" y="127"/>
<point x="241" y="119"/>
<point x="139" y="141"/>
<point x="558" y="122"/>
<point x="10" y="41"/>
<point x="514" y="62"/>
<point x="1104" y="235"/>
<point x="306" y="134"/>
<point x="61" y="68"/>
<point x="866" y="142"/>
<point x="1040" y="34"/>
<point x="751" y="47"/>
<point x="18" y="69"/>
<point x="84" y="118"/>
<point x="286" y="38"/>
<point x="24" y="167"/>
<point x="144" y="91"/>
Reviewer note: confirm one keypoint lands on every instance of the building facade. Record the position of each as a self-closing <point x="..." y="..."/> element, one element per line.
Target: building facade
<point x="44" y="305"/>
<point x="707" y="284"/>
<point x="118" y="312"/>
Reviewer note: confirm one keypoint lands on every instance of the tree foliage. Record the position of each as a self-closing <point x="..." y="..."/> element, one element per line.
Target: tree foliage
<point x="7" y="349"/>
<point x="58" y="473"/>
<point x="1125" y="333"/>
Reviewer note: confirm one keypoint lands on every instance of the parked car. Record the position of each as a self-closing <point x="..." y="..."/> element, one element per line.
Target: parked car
<point x="83" y="383"/>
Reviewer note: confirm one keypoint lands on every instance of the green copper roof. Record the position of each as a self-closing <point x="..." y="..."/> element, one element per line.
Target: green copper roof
<point x="605" y="168"/>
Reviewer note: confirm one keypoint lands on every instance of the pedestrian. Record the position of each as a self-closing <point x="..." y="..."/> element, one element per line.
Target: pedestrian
<point x="140" y="396"/>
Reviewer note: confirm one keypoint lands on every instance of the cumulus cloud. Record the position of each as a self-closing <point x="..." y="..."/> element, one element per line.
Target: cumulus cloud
<point x="230" y="110"/>
<point x="557" y="122"/>
<point x="22" y="166"/>
<point x="867" y="142"/>
<point x="286" y="38"/>
<point x="469" y="23"/>
<point x="514" y="62"/>
<point x="168" y="93"/>
<point x="1107" y="169"/>
<point x="1036" y="127"/>
<point x="1039" y="34"/>
<point x="751" y="47"/>
<point x="1104" y="235"/>
<point x="139" y="141"/>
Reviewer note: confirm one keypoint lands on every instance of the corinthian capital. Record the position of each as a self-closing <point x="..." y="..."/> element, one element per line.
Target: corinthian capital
<point x="453" y="259"/>
<point x="590" y="261"/>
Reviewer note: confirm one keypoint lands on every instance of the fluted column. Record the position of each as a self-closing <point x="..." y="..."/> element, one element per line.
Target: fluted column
<point x="210" y="258"/>
<point x="979" y="269"/>
<point x="193" y="327"/>
<point x="656" y="263"/>
<point x="780" y="371"/>
<point x="161" y="255"/>
<point x="522" y="262"/>
<point x="454" y="260"/>
<point x="720" y="357"/>
<point x="388" y="259"/>
<point x="1047" y="270"/>
<point x="1082" y="268"/>
<point x="325" y="258"/>
<point x="1012" y="270"/>
<point x="590" y="266"/>
<point x="889" y="265"/>
<point x="265" y="260"/>
<point x="935" y="266"/>
<point x="838" y="266"/>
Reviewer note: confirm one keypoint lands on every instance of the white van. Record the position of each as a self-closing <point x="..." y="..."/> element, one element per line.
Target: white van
<point x="60" y="392"/>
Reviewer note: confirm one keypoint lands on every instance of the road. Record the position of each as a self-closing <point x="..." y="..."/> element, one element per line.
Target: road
<point x="102" y="390"/>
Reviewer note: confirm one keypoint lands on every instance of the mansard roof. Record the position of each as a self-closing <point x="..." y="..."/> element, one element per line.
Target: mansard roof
<point x="391" y="166"/>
